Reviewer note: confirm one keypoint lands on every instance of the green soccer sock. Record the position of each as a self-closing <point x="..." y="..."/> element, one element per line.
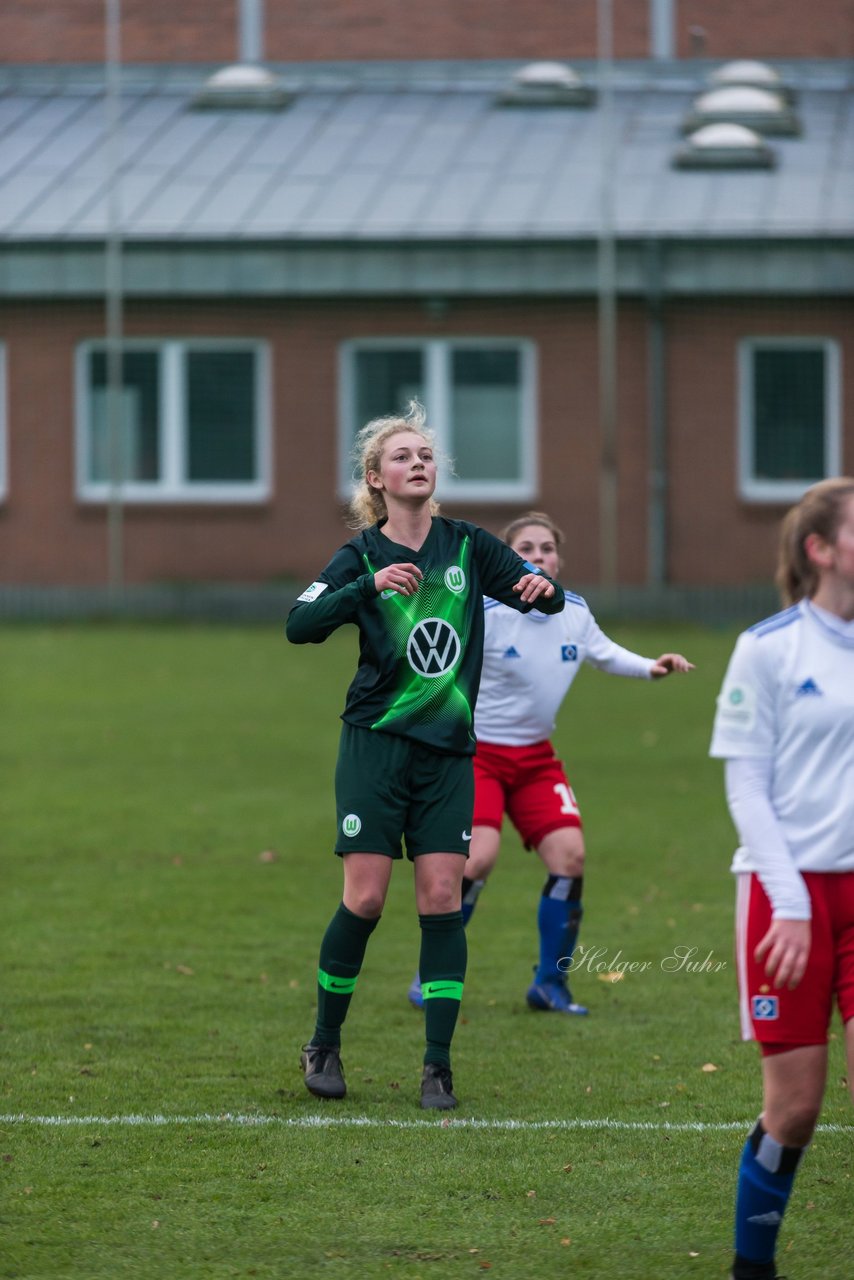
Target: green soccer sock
<point x="341" y="954"/>
<point x="443" y="970"/>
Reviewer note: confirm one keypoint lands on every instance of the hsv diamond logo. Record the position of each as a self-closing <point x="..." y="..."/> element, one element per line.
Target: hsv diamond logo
<point x="765" y="1008"/>
<point x="433" y="648"/>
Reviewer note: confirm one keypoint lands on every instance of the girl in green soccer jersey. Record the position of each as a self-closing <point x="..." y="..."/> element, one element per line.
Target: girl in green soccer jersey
<point x="412" y="582"/>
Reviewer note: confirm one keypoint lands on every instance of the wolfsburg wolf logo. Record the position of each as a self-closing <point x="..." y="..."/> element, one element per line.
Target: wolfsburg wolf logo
<point x="433" y="648"/>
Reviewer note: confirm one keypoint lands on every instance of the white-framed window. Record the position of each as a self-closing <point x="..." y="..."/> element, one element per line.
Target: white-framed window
<point x="194" y="421"/>
<point x="4" y="433"/>
<point x="480" y="397"/>
<point x="789" y="393"/>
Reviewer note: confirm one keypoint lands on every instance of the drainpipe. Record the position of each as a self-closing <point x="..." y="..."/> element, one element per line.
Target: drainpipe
<point x="657" y="412"/>
<point x="250" y="31"/>
<point x="661" y="41"/>
<point x="607" y="311"/>
<point x="114" y="301"/>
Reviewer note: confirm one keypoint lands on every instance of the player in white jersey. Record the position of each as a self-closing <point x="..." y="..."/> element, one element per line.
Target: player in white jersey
<point x="527" y="673"/>
<point x="785" y="727"/>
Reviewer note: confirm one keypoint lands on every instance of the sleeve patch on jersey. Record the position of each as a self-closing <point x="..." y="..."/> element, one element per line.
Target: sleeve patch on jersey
<point x="532" y="568"/>
<point x="312" y="592"/>
<point x="737" y="707"/>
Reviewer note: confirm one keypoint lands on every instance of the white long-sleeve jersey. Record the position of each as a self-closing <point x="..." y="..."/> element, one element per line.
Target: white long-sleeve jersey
<point x="529" y="662"/>
<point x="787" y="706"/>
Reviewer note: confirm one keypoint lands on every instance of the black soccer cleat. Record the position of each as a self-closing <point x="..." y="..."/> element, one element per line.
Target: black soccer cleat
<point x="323" y="1074"/>
<point x="437" y="1088"/>
<point x="742" y="1269"/>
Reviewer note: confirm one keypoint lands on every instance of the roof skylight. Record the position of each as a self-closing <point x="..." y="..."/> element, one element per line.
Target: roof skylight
<point x="748" y="71"/>
<point x="547" y="84"/>
<point x="724" y="146"/>
<point x="756" y="108"/>
<point x="242" y="86"/>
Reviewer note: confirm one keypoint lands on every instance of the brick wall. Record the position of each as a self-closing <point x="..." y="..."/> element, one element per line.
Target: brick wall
<point x="318" y="29"/>
<point x="716" y="537"/>
<point x="47" y="536"/>
<point x="765" y="29"/>
<point x="152" y="31"/>
<point x="311" y="30"/>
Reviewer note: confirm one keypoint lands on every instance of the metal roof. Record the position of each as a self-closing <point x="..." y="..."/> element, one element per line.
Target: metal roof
<point x="405" y="154"/>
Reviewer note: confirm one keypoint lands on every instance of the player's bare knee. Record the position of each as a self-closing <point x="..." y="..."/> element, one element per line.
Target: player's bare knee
<point x="478" y="868"/>
<point x="367" y="903"/>
<point x="441" y="898"/>
<point x="575" y="863"/>
<point x="793" y="1123"/>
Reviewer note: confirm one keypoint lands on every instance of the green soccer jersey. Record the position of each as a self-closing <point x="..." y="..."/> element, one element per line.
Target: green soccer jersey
<point x="420" y="656"/>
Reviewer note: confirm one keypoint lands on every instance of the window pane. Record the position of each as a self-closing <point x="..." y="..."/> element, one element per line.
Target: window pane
<point x="139" y="452"/>
<point x="486" y="411"/>
<point x="788" y="414"/>
<point x="221" y="415"/>
<point x="386" y="381"/>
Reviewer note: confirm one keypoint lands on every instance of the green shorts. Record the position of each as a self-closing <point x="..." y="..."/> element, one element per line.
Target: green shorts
<point x="389" y="788"/>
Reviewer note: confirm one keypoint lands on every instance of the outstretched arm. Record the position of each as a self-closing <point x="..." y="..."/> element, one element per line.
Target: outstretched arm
<point x="668" y="663"/>
<point x="607" y="655"/>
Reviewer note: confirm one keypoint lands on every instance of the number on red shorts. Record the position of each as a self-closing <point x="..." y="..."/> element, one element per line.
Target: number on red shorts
<point x="568" y="802"/>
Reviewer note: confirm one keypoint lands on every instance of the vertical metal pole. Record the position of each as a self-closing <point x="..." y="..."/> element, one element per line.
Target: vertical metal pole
<point x="114" y="300"/>
<point x="607" y="308"/>
<point x="250" y="31"/>
<point x="657" y="530"/>
<point x="661" y="32"/>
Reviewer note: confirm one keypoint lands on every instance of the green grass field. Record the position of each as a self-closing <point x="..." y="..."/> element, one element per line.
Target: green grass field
<point x="165" y="824"/>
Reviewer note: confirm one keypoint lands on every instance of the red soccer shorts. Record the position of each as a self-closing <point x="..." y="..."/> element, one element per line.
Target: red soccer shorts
<point x="777" y="1016"/>
<point x="527" y="783"/>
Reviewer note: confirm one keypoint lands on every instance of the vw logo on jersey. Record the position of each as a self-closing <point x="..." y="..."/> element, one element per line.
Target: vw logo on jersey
<point x="455" y="579"/>
<point x="433" y="648"/>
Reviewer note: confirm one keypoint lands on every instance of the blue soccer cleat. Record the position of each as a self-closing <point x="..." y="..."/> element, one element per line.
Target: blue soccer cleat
<point x="414" y="993"/>
<point x="553" y="996"/>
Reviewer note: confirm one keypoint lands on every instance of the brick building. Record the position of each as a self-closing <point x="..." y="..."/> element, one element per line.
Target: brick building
<point x="374" y="228"/>
<point x="156" y="31"/>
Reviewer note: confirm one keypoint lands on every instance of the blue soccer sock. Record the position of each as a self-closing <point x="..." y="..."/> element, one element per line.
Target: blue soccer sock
<point x="471" y="893"/>
<point x="765" y="1177"/>
<point x="558" y="919"/>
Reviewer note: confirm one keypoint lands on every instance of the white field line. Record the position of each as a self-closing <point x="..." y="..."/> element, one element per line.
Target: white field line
<point x="228" y="1118"/>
